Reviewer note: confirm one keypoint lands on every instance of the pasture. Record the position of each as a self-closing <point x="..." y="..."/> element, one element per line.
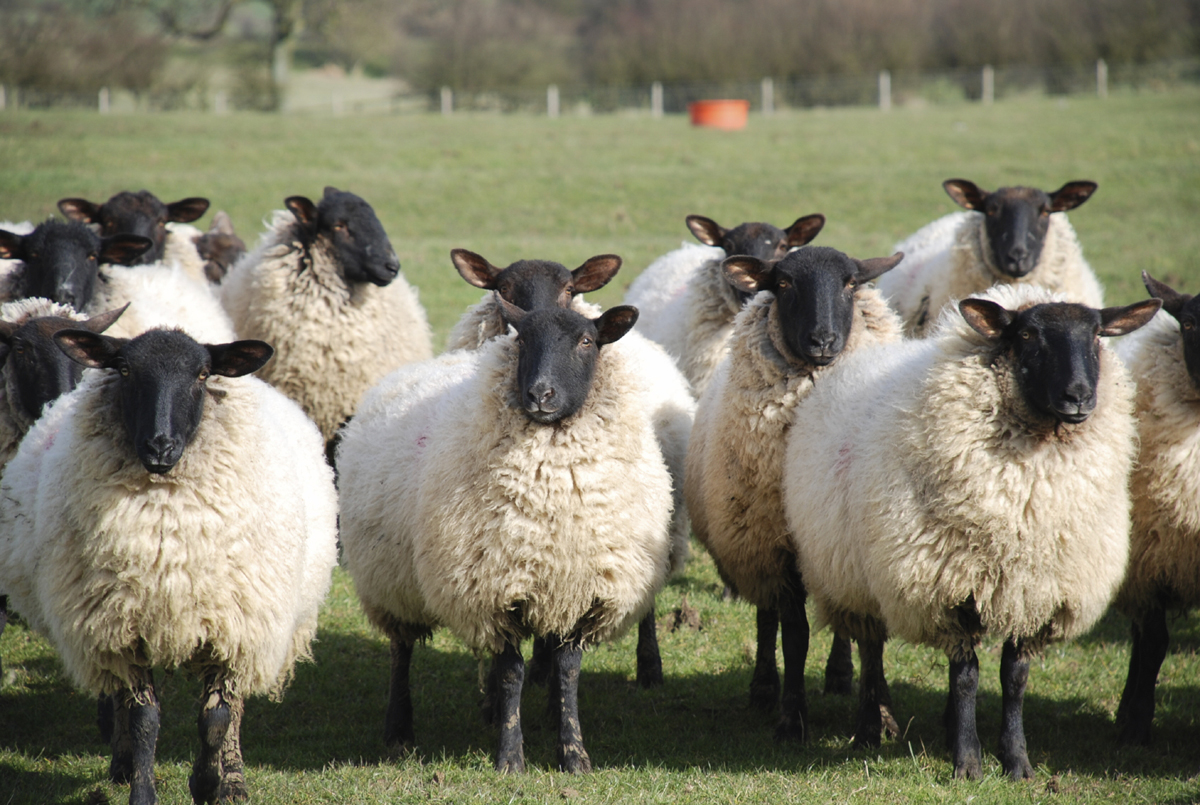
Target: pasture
<point x="515" y="187"/>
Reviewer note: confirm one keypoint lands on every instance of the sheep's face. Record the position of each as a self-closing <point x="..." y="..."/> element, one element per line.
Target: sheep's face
<point x="62" y="259"/>
<point x="1056" y="348"/>
<point x="1185" y="309"/>
<point x="38" y="370"/>
<point x="352" y="231"/>
<point x="814" y="292"/>
<point x="161" y="389"/>
<point x="220" y="247"/>
<point x="534" y="284"/>
<point x="1017" y="218"/>
<point x="140" y="213"/>
<point x="558" y="349"/>
<point x="755" y="239"/>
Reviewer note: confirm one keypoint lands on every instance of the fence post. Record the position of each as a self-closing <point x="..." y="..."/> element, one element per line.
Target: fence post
<point x="220" y="102"/>
<point x="1102" y="78"/>
<point x="885" y="90"/>
<point x="989" y="85"/>
<point x="552" y="100"/>
<point x="768" y="97"/>
<point x="3" y="100"/>
<point x="656" y="99"/>
<point x="447" y="100"/>
<point x="103" y="103"/>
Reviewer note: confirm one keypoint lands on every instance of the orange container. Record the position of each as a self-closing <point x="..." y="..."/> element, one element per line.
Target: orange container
<point x="720" y="114"/>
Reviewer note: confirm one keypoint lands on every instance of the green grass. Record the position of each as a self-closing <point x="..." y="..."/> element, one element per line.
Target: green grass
<point x="513" y="187"/>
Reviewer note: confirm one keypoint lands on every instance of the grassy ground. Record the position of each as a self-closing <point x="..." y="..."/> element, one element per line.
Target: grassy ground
<point x="512" y="187"/>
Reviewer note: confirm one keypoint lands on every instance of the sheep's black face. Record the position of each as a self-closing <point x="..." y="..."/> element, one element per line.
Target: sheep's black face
<point x="1017" y="218"/>
<point x="558" y="352"/>
<point x="39" y="370"/>
<point x="357" y="238"/>
<point x="756" y="239"/>
<point x="534" y="284"/>
<point x="140" y="213"/>
<point x="163" y="376"/>
<point x="1057" y="348"/>
<point x="1185" y="309"/>
<point x="62" y="259"/>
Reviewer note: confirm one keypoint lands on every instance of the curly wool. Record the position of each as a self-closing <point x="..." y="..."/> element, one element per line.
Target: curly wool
<point x="935" y="276"/>
<point x="333" y="340"/>
<point x="223" y="562"/>
<point x="180" y="249"/>
<point x="734" y="467"/>
<point x="509" y="528"/>
<point x="919" y="480"/>
<point x="1164" y="556"/>
<point x="160" y="295"/>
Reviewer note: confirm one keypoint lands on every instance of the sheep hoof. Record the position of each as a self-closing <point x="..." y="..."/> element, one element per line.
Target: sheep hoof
<point x="969" y="769"/>
<point x="650" y="674"/>
<point x="839" y="685"/>
<point x="511" y="763"/>
<point x="573" y="759"/>
<point x="1018" y="769"/>
<point x="764" y="694"/>
<point x="1134" y="732"/>
<point x="790" y="731"/>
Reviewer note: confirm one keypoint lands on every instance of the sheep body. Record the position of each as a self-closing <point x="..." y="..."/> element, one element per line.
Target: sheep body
<point x="353" y="335"/>
<point x="180" y="249"/>
<point x="659" y="290"/>
<point x="951" y="261"/>
<point x="161" y="295"/>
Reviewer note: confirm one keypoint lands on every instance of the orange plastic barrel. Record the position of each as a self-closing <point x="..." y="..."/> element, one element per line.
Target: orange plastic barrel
<point x="725" y="114"/>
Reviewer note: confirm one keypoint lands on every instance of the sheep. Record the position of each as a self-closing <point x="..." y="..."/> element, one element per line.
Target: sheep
<point x="1164" y="569"/>
<point x="324" y="286"/>
<point x="161" y="296"/>
<point x="508" y="492"/>
<point x="220" y="247"/>
<point x="166" y="513"/>
<point x="533" y="284"/>
<point x="685" y="302"/>
<point x="810" y="307"/>
<point x="973" y="482"/>
<point x="60" y="261"/>
<point x="1014" y="235"/>
<point x="142" y="213"/>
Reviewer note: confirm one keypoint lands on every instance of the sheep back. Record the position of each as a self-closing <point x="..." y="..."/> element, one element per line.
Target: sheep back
<point x="662" y="284"/>
<point x="161" y="295"/>
<point x="180" y="249"/>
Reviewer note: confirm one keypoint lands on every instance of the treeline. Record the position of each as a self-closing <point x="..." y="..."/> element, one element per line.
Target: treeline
<point x="485" y="44"/>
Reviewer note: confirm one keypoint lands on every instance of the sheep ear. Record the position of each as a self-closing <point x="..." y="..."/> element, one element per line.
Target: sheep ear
<point x="965" y="193"/>
<point x="239" y="358"/>
<point x="1071" y="195"/>
<point x="986" y="318"/>
<point x="187" y="210"/>
<point x="706" y="230"/>
<point x="595" y="273"/>
<point x="304" y="210"/>
<point x="102" y="321"/>
<point x="876" y="266"/>
<point x="80" y="209"/>
<point x="1172" y="300"/>
<point x="615" y="323"/>
<point x="221" y="224"/>
<point x="10" y="245"/>
<point x="1124" y="320"/>
<point x="92" y="350"/>
<point x="508" y="311"/>
<point x="330" y="190"/>
<point x="474" y="269"/>
<point x="124" y="250"/>
<point x="747" y="274"/>
<point x="804" y="229"/>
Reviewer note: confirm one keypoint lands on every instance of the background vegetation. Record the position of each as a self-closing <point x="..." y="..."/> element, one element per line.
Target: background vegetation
<point x="510" y="187"/>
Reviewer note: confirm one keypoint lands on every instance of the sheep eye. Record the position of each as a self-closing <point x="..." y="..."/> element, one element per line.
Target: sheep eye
<point x="1188" y="324"/>
<point x="203" y="375"/>
<point x="33" y="255"/>
<point x="586" y="341"/>
<point x="784" y="285"/>
<point x="1026" y="335"/>
<point x="19" y="349"/>
<point x="852" y="284"/>
<point x="124" y="370"/>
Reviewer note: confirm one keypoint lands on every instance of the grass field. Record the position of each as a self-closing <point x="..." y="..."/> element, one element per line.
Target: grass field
<point x="513" y="187"/>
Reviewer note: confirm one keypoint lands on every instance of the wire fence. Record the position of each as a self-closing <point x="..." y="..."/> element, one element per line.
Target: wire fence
<point x="765" y="96"/>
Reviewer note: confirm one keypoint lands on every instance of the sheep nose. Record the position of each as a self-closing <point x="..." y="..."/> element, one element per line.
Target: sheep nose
<point x="542" y="397"/>
<point x="158" y="453"/>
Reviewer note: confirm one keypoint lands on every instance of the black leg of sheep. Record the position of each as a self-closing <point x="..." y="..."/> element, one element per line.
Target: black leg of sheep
<point x="764" y="684"/>
<point x="872" y="693"/>
<point x="839" y="669"/>
<point x="1014" y="675"/>
<point x="213" y="725"/>
<point x="1148" y="649"/>
<point x="398" y="720"/>
<point x="572" y="757"/>
<point x="537" y="670"/>
<point x="510" y="678"/>
<point x="233" y="771"/>
<point x="135" y="739"/>
<point x="649" y="660"/>
<point x="961" y="734"/>
<point x="793" y="716"/>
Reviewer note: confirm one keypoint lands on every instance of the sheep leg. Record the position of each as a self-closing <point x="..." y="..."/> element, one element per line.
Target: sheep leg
<point x="398" y="719"/>
<point x="793" y="710"/>
<point x="572" y="757"/>
<point x="764" y="685"/>
<point x="538" y="669"/>
<point x="839" y="670"/>
<point x="138" y="707"/>
<point x="871" y="693"/>
<point x="510" y="677"/>
<point x="963" y="737"/>
<point x="233" y="777"/>
<point x="120" y="767"/>
<point x="105" y="715"/>
<point x="1014" y="675"/>
<point x="213" y="724"/>
<point x="1135" y="714"/>
<point x="649" y="660"/>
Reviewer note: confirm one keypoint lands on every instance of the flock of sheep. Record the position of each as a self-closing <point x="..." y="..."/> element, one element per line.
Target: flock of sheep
<point x="935" y="445"/>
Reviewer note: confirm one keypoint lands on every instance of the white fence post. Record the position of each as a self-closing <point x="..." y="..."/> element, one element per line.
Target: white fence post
<point x="989" y="85"/>
<point x="656" y="99"/>
<point x="768" y="97"/>
<point x="447" y="100"/>
<point x="103" y="103"/>
<point x="220" y="102"/>
<point x="3" y="99"/>
<point x="552" y="100"/>
<point x="1102" y="78"/>
<point x="885" y="90"/>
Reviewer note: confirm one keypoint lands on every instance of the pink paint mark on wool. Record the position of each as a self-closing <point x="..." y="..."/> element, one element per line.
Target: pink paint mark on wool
<point x="421" y="440"/>
<point x="49" y="441"/>
<point x="841" y="467"/>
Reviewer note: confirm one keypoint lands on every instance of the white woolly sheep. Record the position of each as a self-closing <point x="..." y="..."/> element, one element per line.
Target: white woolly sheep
<point x="508" y="492"/>
<point x="1015" y="235"/>
<point x="534" y="284"/>
<point x="165" y="513"/>
<point x="973" y="482"/>
<point x="685" y="302"/>
<point x="811" y="308"/>
<point x="1164" y="563"/>
<point x="324" y="286"/>
<point x="161" y="295"/>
